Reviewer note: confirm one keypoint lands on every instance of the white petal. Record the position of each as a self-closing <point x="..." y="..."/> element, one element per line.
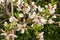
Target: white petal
<point x="33" y="3"/>
<point x="2" y="0"/>
<point x="54" y="16"/>
<point x="22" y="31"/>
<point x="40" y="9"/>
<point x="51" y="11"/>
<point x="46" y="6"/>
<point x="50" y="21"/>
<point x="3" y="34"/>
<point x="43" y="21"/>
<point x="12" y="35"/>
<point x="5" y="23"/>
<point x="21" y="15"/>
<point x="55" y="6"/>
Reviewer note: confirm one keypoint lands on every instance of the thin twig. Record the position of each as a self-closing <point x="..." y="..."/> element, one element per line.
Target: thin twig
<point x="37" y="1"/>
<point x="11" y="7"/>
<point x="56" y="14"/>
<point x="4" y="20"/>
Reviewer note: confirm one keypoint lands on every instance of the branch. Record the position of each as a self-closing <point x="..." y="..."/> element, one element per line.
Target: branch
<point x="55" y="14"/>
<point x="37" y="1"/>
<point x="11" y="7"/>
<point x="6" y="9"/>
<point x="30" y="1"/>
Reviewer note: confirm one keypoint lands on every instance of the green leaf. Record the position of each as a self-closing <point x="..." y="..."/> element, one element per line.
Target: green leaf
<point x="25" y="1"/>
<point x="52" y="1"/>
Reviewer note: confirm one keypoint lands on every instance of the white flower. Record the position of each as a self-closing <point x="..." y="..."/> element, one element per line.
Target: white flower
<point x="33" y="3"/>
<point x="27" y="8"/>
<point x="50" y="21"/>
<point x="54" y="6"/>
<point x="46" y="6"/>
<point x="2" y="0"/>
<point x="19" y="8"/>
<point x="43" y="21"/>
<point x="32" y="25"/>
<point x="8" y="35"/>
<point x="5" y="23"/>
<point x="22" y="31"/>
<point x="19" y="1"/>
<point x="51" y="11"/>
<point x="40" y="9"/>
<point x="37" y="19"/>
<point x="40" y="36"/>
<point x="34" y="7"/>
<point x="12" y="19"/>
<point x="54" y="16"/>
<point x="50" y="6"/>
<point x="21" y="15"/>
<point x="22" y="28"/>
<point x="32" y="15"/>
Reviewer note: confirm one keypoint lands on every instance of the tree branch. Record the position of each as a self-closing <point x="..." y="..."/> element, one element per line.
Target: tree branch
<point x="6" y="9"/>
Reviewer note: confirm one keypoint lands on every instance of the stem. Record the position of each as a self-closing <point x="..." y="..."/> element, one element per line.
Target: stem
<point x="12" y="31"/>
<point x="30" y="1"/>
<point x="37" y="1"/>
<point x="5" y="8"/>
<point x="11" y="7"/>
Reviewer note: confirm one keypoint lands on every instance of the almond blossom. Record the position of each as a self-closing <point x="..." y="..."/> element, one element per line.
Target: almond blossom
<point x="43" y="21"/>
<point x="7" y="36"/>
<point x="40" y="36"/>
<point x="51" y="8"/>
<point x="5" y="23"/>
<point x="12" y="19"/>
<point x="54" y="16"/>
<point x="50" y="21"/>
<point x="40" y="9"/>
<point x="32" y="15"/>
<point x="21" y="15"/>
<point x="22" y="27"/>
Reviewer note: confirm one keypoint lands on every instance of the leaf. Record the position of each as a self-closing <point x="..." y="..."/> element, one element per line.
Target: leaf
<point x="25" y="1"/>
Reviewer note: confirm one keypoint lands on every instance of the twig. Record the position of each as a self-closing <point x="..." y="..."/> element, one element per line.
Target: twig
<point x="11" y="7"/>
<point x="5" y="8"/>
<point x="2" y="30"/>
<point x="4" y="20"/>
<point x="30" y="1"/>
<point x="56" y="14"/>
<point x="37" y="1"/>
<point x="12" y="15"/>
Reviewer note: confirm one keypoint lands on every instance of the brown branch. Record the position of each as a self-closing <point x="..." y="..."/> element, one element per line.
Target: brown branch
<point x="6" y="9"/>
<point x="30" y="1"/>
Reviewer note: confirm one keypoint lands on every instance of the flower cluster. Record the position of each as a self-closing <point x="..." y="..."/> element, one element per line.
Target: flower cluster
<point x="29" y="15"/>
